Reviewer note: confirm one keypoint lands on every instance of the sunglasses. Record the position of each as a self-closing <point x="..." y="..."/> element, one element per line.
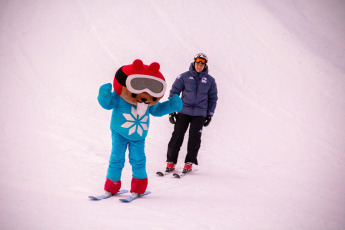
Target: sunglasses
<point x="200" y="60"/>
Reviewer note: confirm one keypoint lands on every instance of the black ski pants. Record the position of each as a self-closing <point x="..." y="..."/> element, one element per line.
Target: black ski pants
<point x="182" y="122"/>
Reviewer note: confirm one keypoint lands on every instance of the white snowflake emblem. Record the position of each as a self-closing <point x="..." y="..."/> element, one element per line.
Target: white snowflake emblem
<point x="135" y="123"/>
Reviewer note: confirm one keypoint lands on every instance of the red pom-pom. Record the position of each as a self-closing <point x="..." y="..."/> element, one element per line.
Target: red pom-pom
<point x="154" y="67"/>
<point x="138" y="64"/>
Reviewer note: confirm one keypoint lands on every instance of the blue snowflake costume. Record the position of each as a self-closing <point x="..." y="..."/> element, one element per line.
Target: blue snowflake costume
<point x="130" y="123"/>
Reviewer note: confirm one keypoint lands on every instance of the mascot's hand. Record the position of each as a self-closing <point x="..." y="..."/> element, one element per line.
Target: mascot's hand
<point x="172" y="118"/>
<point x="105" y="90"/>
<point x="176" y="103"/>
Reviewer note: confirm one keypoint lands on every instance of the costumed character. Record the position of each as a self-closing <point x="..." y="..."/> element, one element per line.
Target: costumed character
<point x="137" y="91"/>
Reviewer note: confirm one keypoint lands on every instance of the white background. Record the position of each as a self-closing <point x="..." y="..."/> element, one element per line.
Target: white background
<point x="272" y="158"/>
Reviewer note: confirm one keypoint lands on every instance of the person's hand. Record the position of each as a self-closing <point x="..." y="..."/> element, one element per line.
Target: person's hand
<point x="176" y="103"/>
<point x="172" y="118"/>
<point x="207" y="121"/>
<point x="105" y="90"/>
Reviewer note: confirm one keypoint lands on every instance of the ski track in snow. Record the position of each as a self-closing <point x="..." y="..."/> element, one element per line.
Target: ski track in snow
<point x="272" y="158"/>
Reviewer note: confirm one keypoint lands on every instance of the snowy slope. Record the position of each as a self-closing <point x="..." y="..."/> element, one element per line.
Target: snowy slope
<point x="272" y="158"/>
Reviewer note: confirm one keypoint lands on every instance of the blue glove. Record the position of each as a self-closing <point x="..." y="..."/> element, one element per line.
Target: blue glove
<point x="105" y="90"/>
<point x="176" y="103"/>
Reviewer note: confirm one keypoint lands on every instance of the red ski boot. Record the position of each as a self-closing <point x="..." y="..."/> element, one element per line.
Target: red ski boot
<point x="170" y="167"/>
<point x="187" y="167"/>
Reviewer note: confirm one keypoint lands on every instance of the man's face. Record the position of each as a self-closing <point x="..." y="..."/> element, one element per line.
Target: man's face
<point x="199" y="67"/>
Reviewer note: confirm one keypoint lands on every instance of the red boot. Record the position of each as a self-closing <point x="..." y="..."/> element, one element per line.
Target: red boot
<point x="139" y="185"/>
<point x="112" y="186"/>
<point x="170" y="167"/>
<point x="187" y="167"/>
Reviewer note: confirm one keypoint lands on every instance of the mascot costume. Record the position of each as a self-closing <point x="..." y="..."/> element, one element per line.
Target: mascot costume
<point x="137" y="91"/>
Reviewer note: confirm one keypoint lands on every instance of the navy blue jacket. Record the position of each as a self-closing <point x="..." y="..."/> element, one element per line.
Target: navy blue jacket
<point x="199" y="92"/>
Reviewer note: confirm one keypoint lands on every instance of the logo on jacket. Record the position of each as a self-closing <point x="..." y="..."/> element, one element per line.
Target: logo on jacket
<point x="135" y="123"/>
<point x="204" y="80"/>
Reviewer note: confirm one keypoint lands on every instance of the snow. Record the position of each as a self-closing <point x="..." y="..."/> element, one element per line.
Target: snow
<point x="272" y="157"/>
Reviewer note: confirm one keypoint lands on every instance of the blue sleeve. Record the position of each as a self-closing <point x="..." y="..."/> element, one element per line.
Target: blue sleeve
<point x="106" y="98"/>
<point x="212" y="99"/>
<point x="174" y="104"/>
<point x="177" y="87"/>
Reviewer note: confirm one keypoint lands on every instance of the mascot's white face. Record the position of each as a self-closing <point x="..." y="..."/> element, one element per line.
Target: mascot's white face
<point x="140" y="85"/>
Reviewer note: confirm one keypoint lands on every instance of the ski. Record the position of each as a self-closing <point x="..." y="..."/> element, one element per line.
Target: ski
<point x="107" y="195"/>
<point x="133" y="197"/>
<point x="159" y="173"/>
<point x="179" y="175"/>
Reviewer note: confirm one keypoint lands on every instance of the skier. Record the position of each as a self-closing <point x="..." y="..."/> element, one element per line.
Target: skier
<point x="199" y="96"/>
<point x="138" y="89"/>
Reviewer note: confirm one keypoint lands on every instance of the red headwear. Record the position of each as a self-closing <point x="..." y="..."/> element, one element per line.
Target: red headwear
<point x="136" y="68"/>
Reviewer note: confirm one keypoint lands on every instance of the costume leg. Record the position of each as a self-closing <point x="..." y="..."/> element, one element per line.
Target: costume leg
<point x="194" y="140"/>
<point x="175" y="143"/>
<point x="116" y="163"/>
<point x="137" y="159"/>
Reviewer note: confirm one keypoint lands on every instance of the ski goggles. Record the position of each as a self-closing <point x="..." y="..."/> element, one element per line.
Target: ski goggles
<point x="200" y="60"/>
<point x="137" y="83"/>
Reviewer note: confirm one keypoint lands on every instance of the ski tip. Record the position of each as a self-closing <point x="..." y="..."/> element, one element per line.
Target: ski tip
<point x="97" y="198"/>
<point x="176" y="175"/>
<point x="159" y="174"/>
<point x="93" y="198"/>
